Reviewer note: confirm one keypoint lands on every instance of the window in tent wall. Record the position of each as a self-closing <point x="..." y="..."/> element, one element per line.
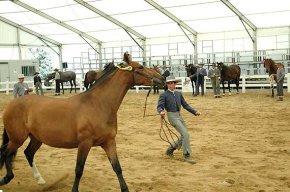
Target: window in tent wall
<point x="159" y="50"/>
<point x="207" y="46"/>
<point x="173" y="49"/>
<point x="267" y="42"/>
<point x="282" y="41"/>
<point x="185" y="48"/>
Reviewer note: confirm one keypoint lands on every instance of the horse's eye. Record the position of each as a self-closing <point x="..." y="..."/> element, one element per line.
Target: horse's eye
<point x="141" y="67"/>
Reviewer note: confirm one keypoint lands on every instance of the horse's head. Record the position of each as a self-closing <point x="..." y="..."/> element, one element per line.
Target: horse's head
<point x="220" y="65"/>
<point x="48" y="77"/>
<point x="127" y="57"/>
<point x="267" y="64"/>
<point x="145" y="76"/>
<point x="190" y="69"/>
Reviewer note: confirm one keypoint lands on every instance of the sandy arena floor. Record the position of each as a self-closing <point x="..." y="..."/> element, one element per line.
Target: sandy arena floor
<point x="241" y="144"/>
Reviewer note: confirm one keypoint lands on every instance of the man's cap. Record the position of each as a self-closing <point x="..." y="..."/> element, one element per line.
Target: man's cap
<point x="172" y="79"/>
<point x="20" y="76"/>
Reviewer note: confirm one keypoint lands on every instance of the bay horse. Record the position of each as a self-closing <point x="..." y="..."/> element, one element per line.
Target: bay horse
<point x="64" y="77"/>
<point x="82" y="121"/>
<point x="191" y="72"/>
<point x="229" y="73"/>
<point x="271" y="68"/>
<point x="92" y="76"/>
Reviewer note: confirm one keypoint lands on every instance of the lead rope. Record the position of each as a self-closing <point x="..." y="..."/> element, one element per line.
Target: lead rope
<point x="162" y="129"/>
<point x="168" y="131"/>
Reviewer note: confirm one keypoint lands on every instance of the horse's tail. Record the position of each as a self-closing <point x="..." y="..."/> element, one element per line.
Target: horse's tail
<point x="3" y="148"/>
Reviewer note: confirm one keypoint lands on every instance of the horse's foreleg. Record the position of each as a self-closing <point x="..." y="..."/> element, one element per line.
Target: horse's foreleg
<point x="229" y="87"/>
<point x="83" y="151"/>
<point x="71" y="86"/>
<point x="192" y="85"/>
<point x="62" y="88"/>
<point x="29" y="152"/>
<point x="110" y="148"/>
<point x="75" y="85"/>
<point x="223" y="82"/>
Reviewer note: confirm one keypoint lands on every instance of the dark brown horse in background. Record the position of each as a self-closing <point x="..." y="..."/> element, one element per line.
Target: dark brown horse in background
<point x="92" y="76"/>
<point x="82" y="121"/>
<point x="155" y="87"/>
<point x="229" y="73"/>
<point x="191" y="72"/>
<point x="271" y="68"/>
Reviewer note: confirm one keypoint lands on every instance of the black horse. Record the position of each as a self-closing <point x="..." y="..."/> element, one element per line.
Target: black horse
<point x="229" y="73"/>
<point x="191" y="73"/>
<point x="64" y="77"/>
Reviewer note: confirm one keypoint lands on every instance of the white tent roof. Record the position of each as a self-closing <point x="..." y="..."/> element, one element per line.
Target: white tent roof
<point x="52" y="18"/>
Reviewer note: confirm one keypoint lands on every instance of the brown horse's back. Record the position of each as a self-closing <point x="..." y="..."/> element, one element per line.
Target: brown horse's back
<point x="235" y="71"/>
<point x="231" y="72"/>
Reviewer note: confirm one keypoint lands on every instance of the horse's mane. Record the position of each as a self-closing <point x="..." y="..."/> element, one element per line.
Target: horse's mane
<point x="110" y="68"/>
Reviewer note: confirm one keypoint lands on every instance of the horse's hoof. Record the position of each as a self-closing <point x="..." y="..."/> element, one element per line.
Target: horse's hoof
<point x="230" y="94"/>
<point x="224" y="94"/>
<point x="41" y="181"/>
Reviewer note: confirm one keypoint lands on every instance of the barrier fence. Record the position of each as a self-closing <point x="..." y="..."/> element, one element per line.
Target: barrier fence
<point x="246" y="81"/>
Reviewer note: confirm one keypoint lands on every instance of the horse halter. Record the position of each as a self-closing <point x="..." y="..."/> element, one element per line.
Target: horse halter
<point x="138" y="71"/>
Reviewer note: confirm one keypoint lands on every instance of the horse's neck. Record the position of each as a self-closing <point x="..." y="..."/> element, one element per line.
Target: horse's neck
<point x="273" y="69"/>
<point x="113" y="90"/>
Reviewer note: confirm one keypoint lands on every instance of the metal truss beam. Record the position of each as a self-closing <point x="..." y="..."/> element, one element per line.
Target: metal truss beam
<point x="108" y="17"/>
<point x="38" y="12"/>
<point x="29" y="31"/>
<point x="239" y="14"/>
<point x="171" y="16"/>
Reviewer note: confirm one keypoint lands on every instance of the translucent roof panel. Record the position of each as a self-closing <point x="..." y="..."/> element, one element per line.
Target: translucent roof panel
<point x="113" y="7"/>
<point x="203" y="16"/>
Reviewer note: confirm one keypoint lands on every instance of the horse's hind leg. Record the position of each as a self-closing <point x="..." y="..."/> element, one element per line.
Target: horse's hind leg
<point x="110" y="149"/>
<point x="237" y="84"/>
<point x="8" y="152"/>
<point x="29" y="152"/>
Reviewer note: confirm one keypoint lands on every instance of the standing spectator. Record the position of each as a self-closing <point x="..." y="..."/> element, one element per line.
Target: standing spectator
<point x="214" y="75"/>
<point x="171" y="101"/>
<point x="201" y="73"/>
<point x="280" y="80"/>
<point x="21" y="88"/>
<point x="57" y="82"/>
<point x="37" y="83"/>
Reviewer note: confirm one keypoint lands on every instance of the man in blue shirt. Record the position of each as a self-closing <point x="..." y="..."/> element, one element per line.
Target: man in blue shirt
<point x="171" y="101"/>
